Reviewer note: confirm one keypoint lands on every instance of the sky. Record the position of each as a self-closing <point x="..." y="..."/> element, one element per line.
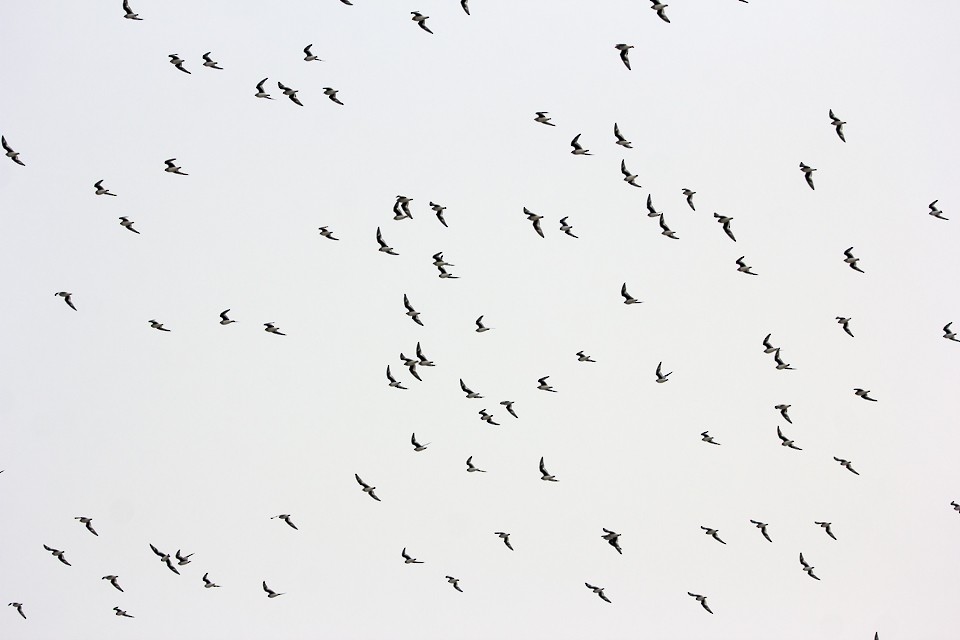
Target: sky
<point x="192" y="439"/>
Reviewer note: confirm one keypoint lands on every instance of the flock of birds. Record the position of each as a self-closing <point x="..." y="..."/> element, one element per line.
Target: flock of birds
<point x="401" y="211"/>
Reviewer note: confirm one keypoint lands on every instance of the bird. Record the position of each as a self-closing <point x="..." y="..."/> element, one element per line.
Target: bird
<point x="689" y="194"/>
<point x="89" y="524"/>
<point x="838" y="123"/>
<point x="624" y="53"/>
<point x="612" y="538"/>
<point x="165" y="558"/>
<point x="19" y="607"/>
<point x="488" y="418"/>
<point x="438" y="210"/>
<point x="416" y="445"/>
<point x="309" y="57"/>
<point x="393" y="381"/>
<point x="411" y="364"/>
<point x="505" y="537"/>
<point x="383" y="245"/>
<point x="535" y="219"/>
<point x="286" y="518"/>
<point x="598" y="591"/>
<point x="470" y="393"/>
<point x="367" y="488"/>
<point x="808" y="568"/>
<point x="128" y="224"/>
<point x="582" y="357"/>
<point x="269" y="327"/>
<point x="851" y="260"/>
<point x="421" y="359"/>
<point x="67" y="297"/>
<point x="763" y="529"/>
<point x="401" y="208"/>
<point x="566" y="228"/>
<point x="130" y="15"/>
<point x="846" y="464"/>
<point x="544" y="474"/>
<point x="471" y="468"/>
<point x="509" y="405"/>
<point x="826" y="527"/>
<point x="13" y="155"/>
<point x="182" y="559"/>
<point x="623" y="142"/>
<point x="651" y="210"/>
<point x="845" y="322"/>
<point x="666" y="230"/>
<point x="157" y="325"/>
<point x="209" y="62"/>
<point x="177" y="61"/>
<point x="543" y="119"/>
<point x="408" y="559"/>
<point x="543" y="386"/>
<point x="224" y="320"/>
<point x="807" y="174"/>
<point x="786" y="442"/>
<point x="421" y="20"/>
<point x="782" y="408"/>
<point x="706" y="437"/>
<point x="769" y="348"/>
<point x="113" y="581"/>
<point x="956" y="507"/>
<point x="743" y="268"/>
<point x="463" y="3"/>
<point x="781" y="365"/>
<point x="290" y="93"/>
<point x="661" y="378"/>
<point x="120" y="612"/>
<point x="102" y="190"/>
<point x="701" y="599"/>
<point x="577" y="149"/>
<point x="948" y="334"/>
<point x="172" y="168"/>
<point x="725" y="221"/>
<point x="628" y="177"/>
<point x="451" y="579"/>
<point x="208" y="583"/>
<point x="935" y="212"/>
<point x="270" y="592"/>
<point x="332" y="94"/>
<point x="860" y="393"/>
<point x="713" y="534"/>
<point x="659" y="7"/>
<point x="627" y="298"/>
<point x="261" y="93"/>
<point x="444" y="274"/>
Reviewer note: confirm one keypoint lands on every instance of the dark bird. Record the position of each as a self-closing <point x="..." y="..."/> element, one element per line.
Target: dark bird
<point x="451" y="579"/>
<point x="102" y="190"/>
<point x="157" y="325"/>
<point x="651" y="210"/>
<point x="367" y="488"/>
<point x="845" y="322"/>
<point x="543" y="386"/>
<point x="383" y="245"/>
<point x="628" y="177"/>
<point x="505" y="537"/>
<point x="763" y="529"/>
<point x="852" y="260"/>
<point x="706" y="437"/>
<point x="67" y="297"/>
<point x="408" y="559"/>
<point x="421" y="20"/>
<point x="488" y="418"/>
<point x="826" y="527"/>
<point x="470" y="393"/>
<point x="781" y="365"/>
<point x="10" y="153"/>
<point x="725" y="221"/>
<point x="120" y="612"/>
<point x="127" y="224"/>
<point x="846" y="464"/>
<point x="88" y="522"/>
<point x="808" y="568"/>
<point x="128" y="13"/>
<point x="19" y="607"/>
<point x="623" y="142"/>
<point x="411" y="364"/>
<point x="860" y="393"/>
<point x="269" y="327"/>
<point x="948" y="334"/>
<point x="224" y="320"/>
<point x="308" y="55"/>
<point x="956" y="507"/>
<point x="438" y="210"/>
<point x="767" y="346"/>
<point x="332" y="94"/>
<point x="113" y="580"/>
<point x="543" y="119"/>
<point x="689" y="194"/>
<point x="270" y="592"/>
<point x="182" y="559"/>
<point x="509" y="405"/>
<point x="566" y="228"/>
<point x="782" y="408"/>
<point x="577" y="149"/>
<point x="416" y="445"/>
<point x="393" y="381"/>
<point x="480" y="326"/>
<point x="401" y="208"/>
<point x="627" y="298"/>
<point x="935" y="212"/>
<point x="743" y="268"/>
<point x="612" y="538"/>
<point x="208" y="583"/>
<point x="713" y="533"/>
<point x="624" y="53"/>
<point x="422" y="360"/>
<point x="471" y="468"/>
<point x="666" y="230"/>
<point x="290" y="93"/>
<point x="598" y="591"/>
<point x="659" y="8"/>
<point x="177" y="61"/>
<point x="838" y="123"/>
<point x="786" y="442"/>
<point x="261" y="93"/>
<point x="209" y="62"/>
<point x="463" y="3"/>
<point x="807" y="174"/>
<point x="165" y="558"/>
<point x="286" y="518"/>
<point x="661" y="377"/>
<point x="701" y="599"/>
<point x="535" y="219"/>
<point x="583" y="357"/>
<point x="172" y="168"/>
<point x="544" y="474"/>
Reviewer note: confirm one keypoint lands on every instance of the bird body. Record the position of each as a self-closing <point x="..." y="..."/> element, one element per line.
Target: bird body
<point x="67" y="297"/>
<point x="577" y="149"/>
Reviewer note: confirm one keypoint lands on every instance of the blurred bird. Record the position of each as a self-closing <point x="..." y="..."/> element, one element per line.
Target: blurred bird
<point x="10" y="153"/>
<point x="129" y="14"/>
<point x="121" y="612"/>
<point x="846" y="464"/>
<point x="544" y="474"/>
<point x="290" y="93"/>
<point x="261" y="93"/>
<point x="471" y="468"/>
<point x="421" y="20"/>
<point x="781" y="365"/>
<point x="451" y="579"/>
<point x="786" y="442"/>
<point x="782" y="408"/>
<point x="612" y="538"/>
<point x="666" y="230"/>
<point x="838" y="123"/>
<point x="102" y="190"/>
<point x="113" y="580"/>
<point x="661" y="377"/>
<point x="209" y="62"/>
<point x="763" y="529"/>
<point x="383" y="245"/>
<point x="332" y="94"/>
<point x="543" y="119"/>
<point x="19" y="607"/>
<point x="67" y="297"/>
<point x="535" y="219"/>
<point x="128" y="224"/>
<point x="543" y="386"/>
<point x="308" y="55"/>
<point x="625" y="53"/>
<point x="157" y="325"/>
<point x="583" y="357"/>
<point x="172" y="168"/>
<point x="689" y="194"/>
<point x="185" y="559"/>
<point x="165" y="558"/>
<point x="367" y="488"/>
<point x="767" y="346"/>
<point x="851" y="260"/>
<point x="701" y="599"/>
<point x="623" y="142"/>
<point x="566" y="228"/>
<point x="286" y="518"/>
<point x="725" y="221"/>
<point x="177" y="61"/>
<point x="577" y="149"/>
<point x="470" y="393"/>
<point x="207" y="583"/>
<point x="270" y="592"/>
<point x="408" y="559"/>
<point x="393" y="381"/>
<point x="488" y="418"/>
<point x="438" y="210"/>
<point x="713" y="533"/>
<point x="743" y="268"/>
<point x="628" y="177"/>
<point x="845" y="322"/>
<point x="88" y="522"/>
<point x="808" y="568"/>
<point x="860" y="393"/>
<point x="948" y="334"/>
<point x="480" y="326"/>
<point x="509" y="405"/>
<point x="807" y="174"/>
<point x="271" y="328"/>
<point x="627" y="298"/>
<point x="826" y="527"/>
<point x="505" y="537"/>
<point x="659" y="8"/>
<point x="935" y="212"/>
<point x="706" y="437"/>
<point x="224" y="320"/>
<point x="416" y="445"/>
<point x="598" y="591"/>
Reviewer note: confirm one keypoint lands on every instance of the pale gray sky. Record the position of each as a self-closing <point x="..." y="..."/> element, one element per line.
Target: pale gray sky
<point x="192" y="439"/>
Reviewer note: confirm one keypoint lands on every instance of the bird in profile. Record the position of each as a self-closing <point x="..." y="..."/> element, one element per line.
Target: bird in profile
<point x="577" y="149"/>
<point x="10" y="153"/>
<point x="444" y="274"/>
<point x="625" y="53"/>
<point x="713" y="534"/>
<point x="542" y="118"/>
<point x="19" y="607"/>
<point x="935" y="212"/>
<point x="208" y="583"/>
<point x="706" y="437"/>
<point x="544" y="474"/>
<point x="948" y="334"/>
<point x="421" y="20"/>
<point x="535" y="219"/>
<point x="666" y="230"/>
<point x="438" y="210"/>
<point x="861" y="393"/>
<point x="177" y="61"/>
<point x="67" y="297"/>
<point x="308" y="55"/>
<point x="583" y="357"/>
<point x="505" y="537"/>
<point x="416" y="445"/>
<point x="157" y="325"/>
<point x="113" y="580"/>
<point x="781" y="365"/>
<point x="488" y="418"/>
<point x="120" y="612"/>
<point x="838" y="124"/>
<point x="422" y="360"/>
<point x="509" y="405"/>
<point x="286" y="518"/>
<point x="689" y="195"/>
<point x="598" y="591"/>
<point x="786" y="442"/>
<point x="701" y="599"/>
<point x="471" y="468"/>
<point x="763" y="529"/>
<point x="367" y="489"/>
<point x="393" y="381"/>
<point x="451" y="579"/>
<point x="808" y="568"/>
<point x="438" y="260"/>
<point x="956" y="507"/>
<point x="566" y="228"/>
<point x="172" y="168"/>
<point x="269" y="327"/>
<point x="224" y="320"/>
<point x="725" y="221"/>
<point x="742" y="267"/>
<point x="659" y="8"/>
<point x="852" y="260"/>
<point x="165" y="558"/>
<point x="127" y="224"/>
<point x="210" y="62"/>
<point x="661" y="377"/>
<point x="471" y="394"/>
<point x="623" y="142"/>
<point x="612" y="538"/>
<point x="782" y="408"/>
<point x="408" y="559"/>
<point x="290" y="93"/>
<point x="845" y="323"/>
<point x="384" y="248"/>
<point x="182" y="559"/>
<point x="627" y="298"/>
<point x="767" y="346"/>
<point x="261" y="92"/>
<point x="846" y="464"/>
<point x="807" y="174"/>
<point x="102" y="190"/>
<point x="128" y="12"/>
<point x="270" y="592"/>
<point x="88" y="522"/>
<point x="332" y="94"/>
<point x="651" y="210"/>
<point x="826" y="527"/>
<point x="543" y="386"/>
<point x="628" y="177"/>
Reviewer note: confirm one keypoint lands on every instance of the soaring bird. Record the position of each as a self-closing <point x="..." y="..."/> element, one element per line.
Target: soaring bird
<point x="627" y="298"/>
<point x="808" y="568"/>
<point x="290" y="93"/>
<point x="935" y="212"/>
<point x="701" y="599"/>
<point x="393" y="381"/>
<point x="401" y="208"/>
<point x="807" y="174"/>
<point x="471" y="468"/>
<point x="713" y="533"/>
<point x="786" y="442"/>
<point x="209" y="62"/>
<point x="505" y="537"/>
<point x="623" y="142"/>
<point x="120" y="612"/>
<point x="384" y="248"/>
<point x="129" y="14"/>
<point x="102" y="190"/>
<point x="177" y="61"/>
<point x="845" y="322"/>
<point x="224" y="320"/>
<point x="182" y="559"/>
<point x="509" y="405"/>
<point x="625" y="53"/>
<point x="421" y="20"/>
<point x="480" y="326"/>
<point x="612" y="538"/>
<point x="651" y="210"/>
<point x="438" y="260"/>
<point x="332" y="94"/>
<point x="725" y="221"/>
<point x="956" y="507"/>
<point x="19" y="607"/>
<point x="948" y="334"/>
<point x="846" y="464"/>
<point x="416" y="445"/>
<point x="157" y="325"/>
<point x="367" y="488"/>
<point x="127" y="224"/>
<point x="411" y="365"/>
<point x="438" y="210"/>
<point x="261" y="93"/>
<point x="408" y="559"/>
<point x="742" y="267"/>
<point x="666" y="230"/>
<point x="535" y="219"/>
<point x="782" y="408"/>
<point x="659" y="8"/>
<point x="706" y="437"/>
<point x="113" y="580"/>
<point x="308" y="55"/>
<point x="488" y="418"/>
<point x="826" y="527"/>
<point x="763" y="529"/>
<point x="852" y="260"/>
<point x="767" y="346"/>
<point x="566" y="228"/>
<point x="598" y="591"/>
<point x="208" y="583"/>
<point x="270" y="592"/>
<point x="689" y="194"/>
<point x="10" y="153"/>
<point x="286" y="518"/>
<point x="543" y="386"/>
<point x="838" y="123"/>
<point x="165" y="558"/>
<point x="545" y="475"/>
<point x="860" y="393"/>
<point x="269" y="327"/>
<point x="67" y="297"/>
<point x="172" y="168"/>
<point x="543" y="119"/>
<point x="444" y="274"/>
<point x="577" y="149"/>
<point x="583" y="357"/>
<point x="88" y="522"/>
<point x="451" y="579"/>
<point x="422" y="360"/>
<point x="628" y="177"/>
<point x="781" y="365"/>
<point x="467" y="390"/>
<point x="661" y="377"/>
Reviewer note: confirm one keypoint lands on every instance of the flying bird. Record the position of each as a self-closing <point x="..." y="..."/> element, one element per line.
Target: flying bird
<point x="393" y="381"/>
<point x="208" y="583"/>
<point x="767" y="347"/>
<point x="113" y="581"/>
<point x="807" y="174"/>
<point x="781" y="365"/>
<point x="408" y="559"/>
<point x="88" y="522"/>
<point x="846" y="464"/>
<point x="935" y="212"/>
<point x="444" y="274"/>
<point x="543" y="119"/>
<point x="509" y="405"/>
<point x="860" y="393"/>
<point x="367" y="488"/>
<point x="566" y="228"/>
<point x="172" y="168"/>
<point x="666" y="230"/>
<point x="67" y="297"/>
<point x="598" y="591"/>
<point x="401" y="208"/>
<point x="948" y="334"/>
<point x="782" y="408"/>
<point x="627" y="298"/>
<point x="127" y="224"/>
<point x="786" y="442"/>
<point x="545" y="475"/>
<point x="19" y="607"/>
<point x="182" y="559"/>
<point x="845" y="322"/>
<point x="438" y="210"/>
<point x="157" y="325"/>
<point x="463" y="3"/>
<point x="129" y="14"/>
<point x="270" y="592"/>
<point x="209" y="62"/>
<point x="543" y="386"/>
<point x="505" y="537"/>
<point x="651" y="210"/>
<point x="308" y="55"/>
<point x="742" y="267"/>
<point x="838" y="123"/>
<point x="701" y="599"/>
<point x="623" y="142"/>
<point x="661" y="378"/>
<point x="956" y="507"/>
<point x="659" y="8"/>
<point x="625" y="53"/>
<point x="383" y="245"/>
<point x="612" y="538"/>
<point x="422" y="360"/>
<point x="120" y="612"/>
<point x="269" y="327"/>
<point x="577" y="149"/>
<point x="224" y="320"/>
<point x="583" y="357"/>
<point x="826" y="527"/>
<point x="706" y="437"/>
<point x="763" y="529"/>
<point x="421" y="20"/>
<point x="713" y="533"/>
<point x="451" y="579"/>
<point x="471" y="468"/>
<point x="689" y="194"/>
<point x="261" y="93"/>
<point x="286" y="518"/>
<point x="332" y="94"/>
<point x="416" y="445"/>
<point x="165" y="558"/>
<point x="725" y="221"/>
<point x="177" y="61"/>
<point x="535" y="219"/>
<point x="808" y="568"/>
<point x="102" y="190"/>
<point x="438" y="260"/>
<point x="852" y="260"/>
<point x="290" y="93"/>
<point x="470" y="393"/>
<point x="488" y="418"/>
<point x="628" y="177"/>
<point x="13" y="155"/>
<point x="411" y="364"/>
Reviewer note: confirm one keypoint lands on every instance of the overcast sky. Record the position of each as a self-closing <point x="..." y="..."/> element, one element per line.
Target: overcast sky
<point x="194" y="438"/>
